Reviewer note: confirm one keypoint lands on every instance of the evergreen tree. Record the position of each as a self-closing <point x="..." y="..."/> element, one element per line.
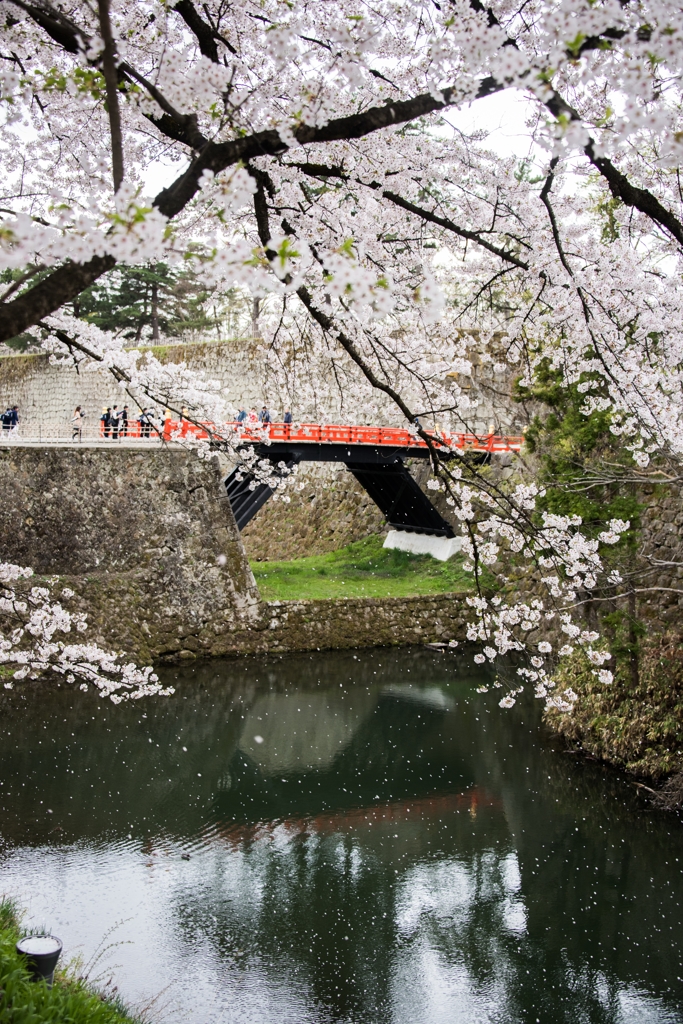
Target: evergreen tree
<point x="146" y="302"/>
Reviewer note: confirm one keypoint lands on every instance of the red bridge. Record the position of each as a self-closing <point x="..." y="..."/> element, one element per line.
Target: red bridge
<point x="316" y="433"/>
<point x="376" y="456"/>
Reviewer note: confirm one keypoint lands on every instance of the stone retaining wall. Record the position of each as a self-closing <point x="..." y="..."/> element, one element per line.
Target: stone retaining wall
<point x="348" y="622"/>
<point x="47" y="393"/>
<point x="147" y="540"/>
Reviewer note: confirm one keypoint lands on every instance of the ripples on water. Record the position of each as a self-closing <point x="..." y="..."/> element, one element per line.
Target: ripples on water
<point x="340" y="838"/>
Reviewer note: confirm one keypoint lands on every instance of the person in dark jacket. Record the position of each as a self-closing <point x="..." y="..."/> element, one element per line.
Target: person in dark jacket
<point x="264" y="416"/>
<point x="105" y="420"/>
<point x="288" y="416"/>
<point x="115" y="422"/>
<point x="123" y="422"/>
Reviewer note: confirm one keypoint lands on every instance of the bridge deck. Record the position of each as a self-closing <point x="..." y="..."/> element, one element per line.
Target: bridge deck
<point x="318" y="434"/>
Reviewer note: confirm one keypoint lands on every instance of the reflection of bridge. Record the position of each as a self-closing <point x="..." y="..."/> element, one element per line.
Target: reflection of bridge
<point x="376" y="456"/>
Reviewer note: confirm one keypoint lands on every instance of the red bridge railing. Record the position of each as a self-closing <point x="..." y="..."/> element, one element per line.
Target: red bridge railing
<point x="316" y="433"/>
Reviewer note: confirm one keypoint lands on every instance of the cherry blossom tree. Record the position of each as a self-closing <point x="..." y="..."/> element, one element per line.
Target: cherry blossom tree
<point x="316" y="163"/>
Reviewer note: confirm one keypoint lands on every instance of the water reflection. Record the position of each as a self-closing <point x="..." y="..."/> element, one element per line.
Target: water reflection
<point x="369" y="840"/>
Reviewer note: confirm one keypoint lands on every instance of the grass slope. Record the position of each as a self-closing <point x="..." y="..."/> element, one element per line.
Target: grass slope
<point x="363" y="569"/>
<point x="69" y="1001"/>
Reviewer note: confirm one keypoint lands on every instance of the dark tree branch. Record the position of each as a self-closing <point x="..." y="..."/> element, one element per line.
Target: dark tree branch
<point x="323" y="171"/>
<point x="112" y="84"/>
<point x="180" y="127"/>
<point x="216" y="156"/>
<point x="449" y="225"/>
<point x="639" y="198"/>
<point x="63" y="285"/>
<point x="61" y="29"/>
<point x="326" y="323"/>
<point x="205" y="34"/>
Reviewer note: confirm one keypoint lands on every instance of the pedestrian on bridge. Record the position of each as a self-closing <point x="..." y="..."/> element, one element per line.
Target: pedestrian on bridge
<point x="123" y="422"/>
<point x="77" y="424"/>
<point x="115" y="422"/>
<point x="241" y="416"/>
<point x="145" y="421"/>
<point x="287" y="417"/>
<point x="264" y="416"/>
<point x="105" y="420"/>
<point x="252" y="418"/>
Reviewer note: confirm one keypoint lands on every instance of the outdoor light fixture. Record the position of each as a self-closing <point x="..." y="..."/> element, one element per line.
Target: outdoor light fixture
<point x="41" y="953"/>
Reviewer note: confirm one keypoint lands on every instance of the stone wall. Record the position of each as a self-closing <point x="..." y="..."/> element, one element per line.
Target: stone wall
<point x="662" y="542"/>
<point x="327" y="510"/>
<point x="350" y="622"/>
<point x="149" y="544"/>
<point x="47" y="393"/>
<point x="145" y="539"/>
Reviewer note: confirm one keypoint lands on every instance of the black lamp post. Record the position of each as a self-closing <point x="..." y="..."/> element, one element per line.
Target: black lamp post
<point x="41" y="953"/>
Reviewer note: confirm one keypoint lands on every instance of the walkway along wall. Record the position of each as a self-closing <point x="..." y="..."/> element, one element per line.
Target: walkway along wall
<point x="149" y="544"/>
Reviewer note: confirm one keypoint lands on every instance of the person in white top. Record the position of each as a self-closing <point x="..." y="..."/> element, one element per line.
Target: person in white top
<point x="77" y="424"/>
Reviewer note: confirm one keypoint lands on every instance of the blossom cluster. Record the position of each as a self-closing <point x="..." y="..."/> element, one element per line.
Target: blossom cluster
<point x="33" y="622"/>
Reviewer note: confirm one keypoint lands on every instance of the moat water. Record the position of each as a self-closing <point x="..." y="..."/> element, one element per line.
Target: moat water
<point x="343" y="837"/>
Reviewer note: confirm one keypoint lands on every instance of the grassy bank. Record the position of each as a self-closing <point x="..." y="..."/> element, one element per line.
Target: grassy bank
<point x="69" y="1001"/>
<point x="635" y="726"/>
<point x="363" y="569"/>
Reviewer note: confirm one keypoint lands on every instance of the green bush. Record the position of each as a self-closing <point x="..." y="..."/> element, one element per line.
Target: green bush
<point x="634" y="725"/>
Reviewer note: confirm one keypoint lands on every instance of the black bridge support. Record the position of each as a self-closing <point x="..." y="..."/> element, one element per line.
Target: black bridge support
<point x="246" y="495"/>
<point x="404" y="504"/>
<point x="381" y="471"/>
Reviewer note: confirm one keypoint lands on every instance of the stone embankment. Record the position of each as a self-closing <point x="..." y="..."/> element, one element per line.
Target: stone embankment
<point x="327" y="509"/>
<point x="350" y="622"/>
<point x="148" y="542"/>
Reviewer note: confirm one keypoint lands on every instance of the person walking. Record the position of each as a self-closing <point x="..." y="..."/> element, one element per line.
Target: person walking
<point x="287" y="417"/>
<point x="264" y="416"/>
<point x="252" y="418"/>
<point x="145" y="424"/>
<point x="77" y="424"/>
<point x="7" y="419"/>
<point x="123" y="422"/>
<point x="105" y="420"/>
<point x="115" y="422"/>
<point x="241" y="416"/>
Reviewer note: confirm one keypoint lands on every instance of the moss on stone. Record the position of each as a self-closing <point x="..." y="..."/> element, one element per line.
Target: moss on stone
<point x="14" y="369"/>
<point x="635" y="727"/>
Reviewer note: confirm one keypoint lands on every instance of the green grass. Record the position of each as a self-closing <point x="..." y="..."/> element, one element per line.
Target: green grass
<point x="70" y="1001"/>
<point x="363" y="569"/>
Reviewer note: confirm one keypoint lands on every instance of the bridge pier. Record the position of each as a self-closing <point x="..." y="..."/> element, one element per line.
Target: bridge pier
<point x="146" y="539"/>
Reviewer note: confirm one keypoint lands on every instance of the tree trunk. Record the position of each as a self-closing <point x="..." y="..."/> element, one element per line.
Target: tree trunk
<point x="633" y="639"/>
<point x="255" y="313"/>
<point x="155" y="311"/>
